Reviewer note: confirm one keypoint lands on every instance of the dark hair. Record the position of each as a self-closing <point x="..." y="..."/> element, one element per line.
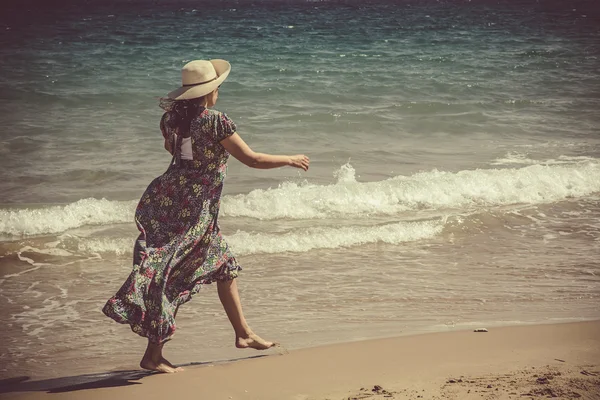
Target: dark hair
<point x="182" y="114"/>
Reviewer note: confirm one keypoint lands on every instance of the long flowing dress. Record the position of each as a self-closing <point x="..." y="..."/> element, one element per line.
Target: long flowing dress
<point x="180" y="247"/>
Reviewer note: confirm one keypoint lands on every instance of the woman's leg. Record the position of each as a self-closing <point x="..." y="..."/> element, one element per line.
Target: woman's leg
<point x="153" y="359"/>
<point x="244" y="337"/>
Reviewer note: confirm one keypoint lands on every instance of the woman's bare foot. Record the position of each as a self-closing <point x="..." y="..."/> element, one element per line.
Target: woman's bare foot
<point x="162" y="366"/>
<point x="253" y="341"/>
<point x="153" y="360"/>
<point x="165" y="361"/>
<point x="244" y="337"/>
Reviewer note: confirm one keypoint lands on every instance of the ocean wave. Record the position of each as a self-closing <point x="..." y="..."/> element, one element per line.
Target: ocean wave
<point x="298" y="240"/>
<point x="76" y="244"/>
<point x="517" y="158"/>
<point x="348" y="198"/>
<point x="330" y="238"/>
<point x="56" y="219"/>
<point x="533" y="184"/>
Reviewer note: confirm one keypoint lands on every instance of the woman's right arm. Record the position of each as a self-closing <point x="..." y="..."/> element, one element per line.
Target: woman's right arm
<point x="236" y="146"/>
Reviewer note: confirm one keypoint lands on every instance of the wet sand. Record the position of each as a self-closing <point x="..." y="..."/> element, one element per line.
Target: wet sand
<point x="526" y="362"/>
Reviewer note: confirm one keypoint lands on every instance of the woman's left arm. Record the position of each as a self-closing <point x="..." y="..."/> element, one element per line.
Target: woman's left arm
<point x="236" y="146"/>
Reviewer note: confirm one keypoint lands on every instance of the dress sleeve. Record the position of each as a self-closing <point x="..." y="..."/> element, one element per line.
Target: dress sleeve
<point x="224" y="127"/>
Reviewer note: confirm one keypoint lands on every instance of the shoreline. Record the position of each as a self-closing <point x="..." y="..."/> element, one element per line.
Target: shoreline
<point x="507" y="362"/>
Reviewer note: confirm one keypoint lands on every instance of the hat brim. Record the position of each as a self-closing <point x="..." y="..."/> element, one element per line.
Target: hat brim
<point x="222" y="68"/>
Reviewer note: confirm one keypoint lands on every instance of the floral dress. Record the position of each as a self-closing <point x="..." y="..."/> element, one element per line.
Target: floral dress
<point x="180" y="246"/>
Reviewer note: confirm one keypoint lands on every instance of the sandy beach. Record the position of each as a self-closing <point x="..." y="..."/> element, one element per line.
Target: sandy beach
<point x="525" y="362"/>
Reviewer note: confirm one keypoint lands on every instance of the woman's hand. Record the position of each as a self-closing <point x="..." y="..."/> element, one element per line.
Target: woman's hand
<point x="300" y="161"/>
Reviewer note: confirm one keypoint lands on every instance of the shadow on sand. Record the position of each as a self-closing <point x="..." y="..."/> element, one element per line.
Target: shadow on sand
<point x="90" y="381"/>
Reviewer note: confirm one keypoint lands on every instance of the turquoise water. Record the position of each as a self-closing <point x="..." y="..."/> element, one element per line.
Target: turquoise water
<point x="396" y="88"/>
<point x="454" y="180"/>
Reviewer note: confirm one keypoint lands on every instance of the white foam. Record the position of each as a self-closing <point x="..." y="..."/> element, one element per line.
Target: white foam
<point x="105" y="245"/>
<point x="29" y="261"/>
<point x="245" y="243"/>
<point x="61" y="218"/>
<point x="48" y="314"/>
<point x="50" y="251"/>
<point x="534" y="184"/>
<point x="517" y="158"/>
<point x="300" y="240"/>
<point x="514" y="157"/>
<point x="569" y="177"/>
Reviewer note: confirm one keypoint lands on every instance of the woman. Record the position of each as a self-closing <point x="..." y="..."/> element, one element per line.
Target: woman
<point x="180" y="246"/>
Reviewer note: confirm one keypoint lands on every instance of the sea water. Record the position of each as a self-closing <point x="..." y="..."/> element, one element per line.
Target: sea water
<point x="454" y="179"/>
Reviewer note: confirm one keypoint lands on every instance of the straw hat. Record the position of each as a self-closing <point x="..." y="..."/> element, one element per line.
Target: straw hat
<point x="200" y="77"/>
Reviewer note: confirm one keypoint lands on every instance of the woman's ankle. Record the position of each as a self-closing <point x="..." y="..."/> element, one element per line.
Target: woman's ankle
<point x="244" y="333"/>
<point x="154" y="351"/>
